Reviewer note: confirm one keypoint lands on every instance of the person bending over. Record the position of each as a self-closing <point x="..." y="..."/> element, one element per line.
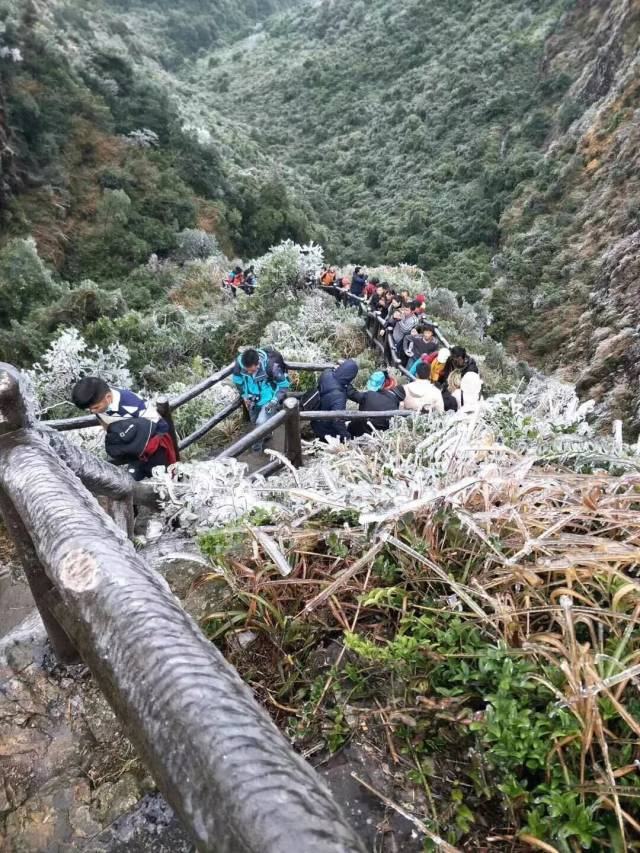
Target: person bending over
<point x="261" y="378"/>
<point x="136" y="443"/>
<point x="111" y="404"/>
<point x="334" y="387"/>
<point x="383" y="394"/>
<point x="136" y="434"/>
<point x="460" y="360"/>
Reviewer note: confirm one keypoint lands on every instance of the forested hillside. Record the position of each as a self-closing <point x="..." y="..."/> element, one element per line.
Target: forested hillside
<point x="494" y="144"/>
<point x="100" y="170"/>
<point x="413" y="123"/>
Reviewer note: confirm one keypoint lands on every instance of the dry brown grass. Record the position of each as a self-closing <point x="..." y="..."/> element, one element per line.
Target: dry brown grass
<point x="544" y="562"/>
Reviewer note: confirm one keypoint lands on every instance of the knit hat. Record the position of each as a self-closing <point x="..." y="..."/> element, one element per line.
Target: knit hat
<point x="128" y="437"/>
<point x="421" y="298"/>
<point x="443" y="356"/>
<point x="376" y="380"/>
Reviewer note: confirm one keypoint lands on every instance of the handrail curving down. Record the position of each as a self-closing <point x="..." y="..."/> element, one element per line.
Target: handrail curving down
<point x="215" y="754"/>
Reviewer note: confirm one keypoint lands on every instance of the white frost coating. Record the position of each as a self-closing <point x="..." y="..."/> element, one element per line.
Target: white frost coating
<point x="412" y="461"/>
<point x="68" y="359"/>
<point x="209" y="493"/>
<point x="555" y="404"/>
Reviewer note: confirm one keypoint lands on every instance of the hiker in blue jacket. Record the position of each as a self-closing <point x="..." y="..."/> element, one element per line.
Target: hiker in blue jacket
<point x="261" y="378"/>
<point x="358" y="284"/>
<point x="334" y="386"/>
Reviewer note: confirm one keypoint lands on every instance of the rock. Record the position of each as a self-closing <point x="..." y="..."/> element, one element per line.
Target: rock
<point x="150" y="826"/>
<point x="115" y="798"/>
<point x="210" y="596"/>
<point x="43" y="822"/>
<point x="19" y="656"/>
<point x="82" y="822"/>
<point x="101" y="721"/>
<point x="181" y="569"/>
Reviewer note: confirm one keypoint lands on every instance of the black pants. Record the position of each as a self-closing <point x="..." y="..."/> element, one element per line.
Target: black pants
<point x="141" y="469"/>
<point x="360" y="427"/>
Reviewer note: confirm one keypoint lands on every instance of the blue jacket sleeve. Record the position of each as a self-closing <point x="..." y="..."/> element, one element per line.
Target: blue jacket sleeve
<point x="238" y="381"/>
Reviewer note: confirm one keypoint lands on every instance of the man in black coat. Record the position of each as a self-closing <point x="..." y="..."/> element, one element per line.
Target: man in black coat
<point x="358" y="282"/>
<point x="334" y="387"/>
<point x="382" y="395"/>
<point x="459" y="360"/>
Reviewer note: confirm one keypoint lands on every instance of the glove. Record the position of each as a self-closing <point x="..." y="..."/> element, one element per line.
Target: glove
<point x="272" y="407"/>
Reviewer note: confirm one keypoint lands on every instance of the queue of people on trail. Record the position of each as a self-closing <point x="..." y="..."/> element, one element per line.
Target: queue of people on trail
<point x="239" y="279"/>
<point x="453" y="385"/>
<point x="442" y="380"/>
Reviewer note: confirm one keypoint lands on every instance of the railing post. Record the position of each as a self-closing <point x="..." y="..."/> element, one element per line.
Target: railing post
<point x="164" y="410"/>
<point x="292" y="441"/>
<point x="14" y="420"/>
<point x="121" y="511"/>
<point x="41" y="587"/>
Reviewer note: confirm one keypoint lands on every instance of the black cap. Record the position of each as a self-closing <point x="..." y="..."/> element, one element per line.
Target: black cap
<point x="128" y="437"/>
<point x="89" y="391"/>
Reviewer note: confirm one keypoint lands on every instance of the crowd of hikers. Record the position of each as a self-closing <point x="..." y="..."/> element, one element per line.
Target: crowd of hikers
<point x="239" y="279"/>
<point x="441" y="380"/>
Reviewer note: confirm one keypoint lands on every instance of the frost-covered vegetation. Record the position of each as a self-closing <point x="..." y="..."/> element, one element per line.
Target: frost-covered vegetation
<point x="493" y="143"/>
<point x="458" y="593"/>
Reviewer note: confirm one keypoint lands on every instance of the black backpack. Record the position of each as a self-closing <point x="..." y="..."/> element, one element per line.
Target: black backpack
<point x="274" y="357"/>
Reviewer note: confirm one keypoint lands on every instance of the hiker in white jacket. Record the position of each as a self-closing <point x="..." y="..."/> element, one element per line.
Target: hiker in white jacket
<point x="421" y="395"/>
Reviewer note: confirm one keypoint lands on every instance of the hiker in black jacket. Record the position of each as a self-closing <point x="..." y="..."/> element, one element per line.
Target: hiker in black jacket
<point x="460" y="360"/>
<point x="383" y="394"/>
<point x="334" y="387"/>
<point x="421" y="341"/>
<point x="358" y="282"/>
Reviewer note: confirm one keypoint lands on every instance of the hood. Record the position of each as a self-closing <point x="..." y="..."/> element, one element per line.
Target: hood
<point x="417" y="388"/>
<point x="128" y="437"/>
<point x="376" y="380"/>
<point x="346" y="372"/>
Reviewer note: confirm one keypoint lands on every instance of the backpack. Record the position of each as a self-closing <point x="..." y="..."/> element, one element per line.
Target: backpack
<point x="274" y="357"/>
<point x="398" y="394"/>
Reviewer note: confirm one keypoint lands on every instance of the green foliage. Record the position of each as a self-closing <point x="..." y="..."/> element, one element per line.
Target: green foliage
<point x="455" y="101"/>
<point x="520" y="722"/>
<point x="24" y="280"/>
<point x="222" y="543"/>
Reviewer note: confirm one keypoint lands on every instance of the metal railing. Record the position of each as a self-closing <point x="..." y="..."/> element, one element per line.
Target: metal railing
<point x="215" y="754"/>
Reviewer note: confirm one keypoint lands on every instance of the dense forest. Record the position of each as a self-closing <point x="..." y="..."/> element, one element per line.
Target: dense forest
<point x="493" y="144"/>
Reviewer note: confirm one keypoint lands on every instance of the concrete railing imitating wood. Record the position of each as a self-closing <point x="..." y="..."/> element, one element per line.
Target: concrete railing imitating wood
<point x="215" y="754"/>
